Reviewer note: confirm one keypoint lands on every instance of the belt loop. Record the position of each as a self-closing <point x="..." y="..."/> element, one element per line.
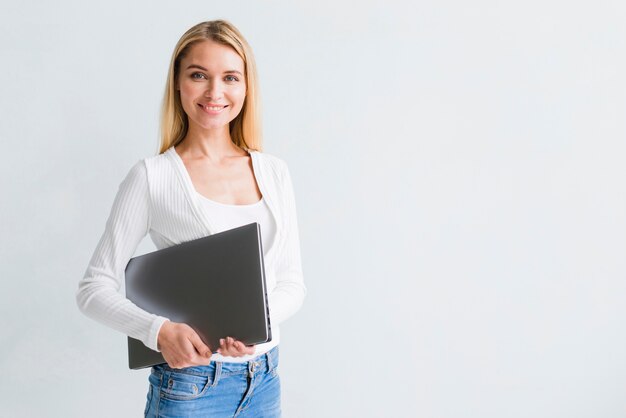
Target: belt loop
<point x="166" y="379"/>
<point x="218" y="373"/>
<point x="270" y="364"/>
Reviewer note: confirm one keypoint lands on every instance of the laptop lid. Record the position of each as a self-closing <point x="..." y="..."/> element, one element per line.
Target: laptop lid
<point x="215" y="284"/>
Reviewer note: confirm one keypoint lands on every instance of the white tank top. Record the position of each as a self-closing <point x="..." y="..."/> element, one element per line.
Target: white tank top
<point x="224" y="216"/>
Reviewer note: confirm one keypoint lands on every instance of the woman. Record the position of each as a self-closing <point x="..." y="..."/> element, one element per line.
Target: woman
<point x="210" y="175"/>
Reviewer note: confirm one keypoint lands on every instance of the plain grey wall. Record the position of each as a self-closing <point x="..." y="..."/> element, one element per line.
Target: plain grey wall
<point x="459" y="173"/>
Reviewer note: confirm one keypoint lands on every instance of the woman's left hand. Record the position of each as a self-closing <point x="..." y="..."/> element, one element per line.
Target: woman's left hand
<point x="233" y="348"/>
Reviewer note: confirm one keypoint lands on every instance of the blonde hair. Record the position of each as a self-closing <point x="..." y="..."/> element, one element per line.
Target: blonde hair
<point x="245" y="129"/>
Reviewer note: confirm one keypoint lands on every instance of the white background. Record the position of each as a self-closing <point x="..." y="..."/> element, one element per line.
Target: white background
<point x="459" y="174"/>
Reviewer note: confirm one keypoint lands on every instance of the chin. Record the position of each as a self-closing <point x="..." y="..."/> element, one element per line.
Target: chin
<point x="211" y="126"/>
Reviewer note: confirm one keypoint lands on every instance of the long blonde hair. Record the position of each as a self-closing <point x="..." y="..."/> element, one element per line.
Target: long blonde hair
<point x="245" y="129"/>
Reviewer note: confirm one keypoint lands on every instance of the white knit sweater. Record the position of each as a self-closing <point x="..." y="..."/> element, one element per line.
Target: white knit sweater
<point x="158" y="197"/>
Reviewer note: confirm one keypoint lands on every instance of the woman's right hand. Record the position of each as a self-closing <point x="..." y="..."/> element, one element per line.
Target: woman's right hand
<point x="181" y="346"/>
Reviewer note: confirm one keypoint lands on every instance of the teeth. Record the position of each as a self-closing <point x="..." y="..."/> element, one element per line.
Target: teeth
<point x="213" y="107"/>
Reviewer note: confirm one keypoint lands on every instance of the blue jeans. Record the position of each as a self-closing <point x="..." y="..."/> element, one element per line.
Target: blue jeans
<point x="250" y="389"/>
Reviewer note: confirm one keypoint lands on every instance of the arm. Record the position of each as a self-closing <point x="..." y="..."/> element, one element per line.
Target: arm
<point x="288" y="295"/>
<point x="98" y="291"/>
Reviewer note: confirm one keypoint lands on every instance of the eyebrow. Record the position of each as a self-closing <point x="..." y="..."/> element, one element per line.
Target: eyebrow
<point x="204" y="69"/>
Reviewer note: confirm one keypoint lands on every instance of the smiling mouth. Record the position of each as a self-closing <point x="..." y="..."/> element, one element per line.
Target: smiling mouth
<point x="212" y="108"/>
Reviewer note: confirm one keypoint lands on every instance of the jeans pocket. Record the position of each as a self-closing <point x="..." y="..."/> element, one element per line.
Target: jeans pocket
<point x="184" y="386"/>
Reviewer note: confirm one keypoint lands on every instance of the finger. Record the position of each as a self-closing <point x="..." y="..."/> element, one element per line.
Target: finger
<point x="246" y="349"/>
<point x="233" y="347"/>
<point x="199" y="345"/>
<point x="225" y="348"/>
<point x="222" y="347"/>
<point x="230" y="347"/>
<point x="242" y="348"/>
<point x="230" y="344"/>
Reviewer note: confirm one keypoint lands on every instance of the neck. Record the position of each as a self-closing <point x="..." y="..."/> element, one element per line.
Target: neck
<point x="214" y="144"/>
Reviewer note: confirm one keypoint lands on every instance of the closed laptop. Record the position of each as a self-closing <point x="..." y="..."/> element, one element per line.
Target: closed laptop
<point x="215" y="284"/>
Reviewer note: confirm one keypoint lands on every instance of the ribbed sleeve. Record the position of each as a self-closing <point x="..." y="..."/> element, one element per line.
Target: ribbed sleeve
<point x="288" y="295"/>
<point x="98" y="295"/>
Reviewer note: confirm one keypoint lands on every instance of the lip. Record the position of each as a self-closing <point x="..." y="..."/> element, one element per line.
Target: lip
<point x="212" y="112"/>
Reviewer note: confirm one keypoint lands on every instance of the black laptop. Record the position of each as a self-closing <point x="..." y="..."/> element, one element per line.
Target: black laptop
<point x="215" y="284"/>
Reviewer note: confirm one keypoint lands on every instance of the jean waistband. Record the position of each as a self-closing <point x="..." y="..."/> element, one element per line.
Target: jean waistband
<point x="263" y="362"/>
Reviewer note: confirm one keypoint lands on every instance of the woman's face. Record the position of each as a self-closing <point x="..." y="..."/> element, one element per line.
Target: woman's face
<point x="212" y="85"/>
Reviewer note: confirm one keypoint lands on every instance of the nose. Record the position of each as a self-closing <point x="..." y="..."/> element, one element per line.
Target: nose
<point x="214" y="90"/>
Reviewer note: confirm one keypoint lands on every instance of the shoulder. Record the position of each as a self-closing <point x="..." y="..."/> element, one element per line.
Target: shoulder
<point x="137" y="172"/>
<point x="154" y="160"/>
<point x="145" y="169"/>
<point x="271" y="164"/>
<point x="157" y="165"/>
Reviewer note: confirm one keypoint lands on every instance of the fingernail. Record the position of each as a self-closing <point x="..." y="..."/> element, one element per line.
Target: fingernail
<point x="222" y="341"/>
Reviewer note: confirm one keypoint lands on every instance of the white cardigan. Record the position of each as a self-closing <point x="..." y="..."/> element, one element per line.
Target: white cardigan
<point x="158" y="197"/>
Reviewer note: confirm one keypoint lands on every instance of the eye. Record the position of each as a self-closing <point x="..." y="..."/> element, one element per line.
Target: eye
<point x="232" y="78"/>
<point x="195" y="74"/>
